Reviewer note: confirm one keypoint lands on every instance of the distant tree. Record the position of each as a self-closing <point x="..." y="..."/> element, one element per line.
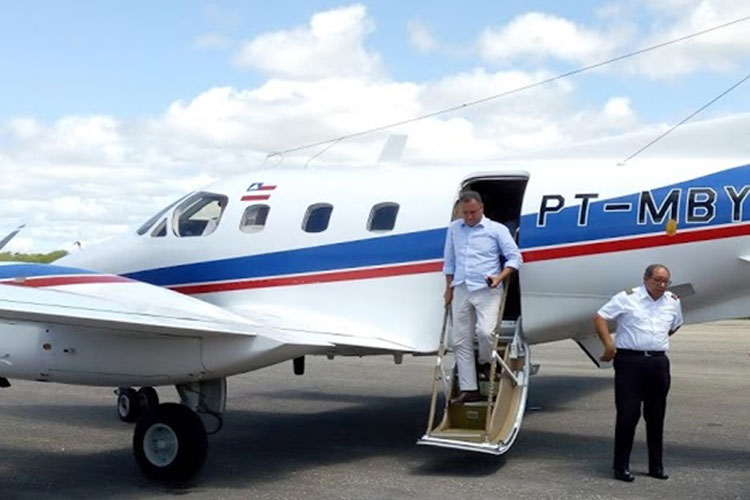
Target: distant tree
<point x="43" y="258"/>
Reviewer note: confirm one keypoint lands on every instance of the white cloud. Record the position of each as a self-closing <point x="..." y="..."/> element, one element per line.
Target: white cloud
<point x="618" y="108"/>
<point x="332" y="45"/>
<point x="420" y="36"/>
<point x="538" y="35"/>
<point x="723" y="50"/>
<point x="24" y="128"/>
<point x="614" y="118"/>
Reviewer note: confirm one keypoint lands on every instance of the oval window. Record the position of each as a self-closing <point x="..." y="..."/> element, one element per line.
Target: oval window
<point x="383" y="217"/>
<point x="254" y="218"/>
<point x="317" y="218"/>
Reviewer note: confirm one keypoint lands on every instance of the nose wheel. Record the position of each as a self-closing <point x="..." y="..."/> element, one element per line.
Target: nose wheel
<point x="131" y="403"/>
<point x="170" y="442"/>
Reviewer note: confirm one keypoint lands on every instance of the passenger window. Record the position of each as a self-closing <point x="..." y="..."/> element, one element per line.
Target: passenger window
<point x="254" y="218"/>
<point x="160" y="230"/>
<point x="383" y="217"/>
<point x="199" y="215"/>
<point x="317" y="218"/>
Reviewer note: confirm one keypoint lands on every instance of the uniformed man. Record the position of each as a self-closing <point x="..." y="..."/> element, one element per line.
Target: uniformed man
<point x="473" y="277"/>
<point x="646" y="317"/>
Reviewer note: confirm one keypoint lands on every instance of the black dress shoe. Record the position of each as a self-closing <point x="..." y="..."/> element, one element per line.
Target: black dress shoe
<point x="624" y="475"/>
<point x="658" y="474"/>
<point x="466" y="397"/>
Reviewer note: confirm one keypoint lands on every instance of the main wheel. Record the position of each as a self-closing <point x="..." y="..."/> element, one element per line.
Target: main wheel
<point x="148" y="398"/>
<point x="170" y="442"/>
<point x="128" y="404"/>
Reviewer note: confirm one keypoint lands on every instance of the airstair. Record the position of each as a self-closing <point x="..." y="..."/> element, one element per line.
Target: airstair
<point x="492" y="424"/>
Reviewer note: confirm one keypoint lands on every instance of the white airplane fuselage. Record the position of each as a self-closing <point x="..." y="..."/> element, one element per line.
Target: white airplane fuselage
<point x="586" y="228"/>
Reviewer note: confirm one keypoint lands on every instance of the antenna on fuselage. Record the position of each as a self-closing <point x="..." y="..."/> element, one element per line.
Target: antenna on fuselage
<point x="332" y="144"/>
<point x="10" y="236"/>
<point x="684" y="120"/>
<point x="393" y="148"/>
<point x="279" y="156"/>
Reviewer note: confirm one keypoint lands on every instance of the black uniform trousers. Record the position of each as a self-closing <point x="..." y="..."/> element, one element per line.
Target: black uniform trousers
<point x="640" y="379"/>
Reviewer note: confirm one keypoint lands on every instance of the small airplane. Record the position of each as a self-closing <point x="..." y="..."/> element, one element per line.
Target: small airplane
<point x="278" y="264"/>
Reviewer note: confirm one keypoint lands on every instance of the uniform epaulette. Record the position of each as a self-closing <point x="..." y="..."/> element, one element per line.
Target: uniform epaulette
<point x="673" y="295"/>
<point x="629" y="291"/>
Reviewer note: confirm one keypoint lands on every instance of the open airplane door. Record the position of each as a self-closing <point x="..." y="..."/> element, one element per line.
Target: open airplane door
<point x="490" y="425"/>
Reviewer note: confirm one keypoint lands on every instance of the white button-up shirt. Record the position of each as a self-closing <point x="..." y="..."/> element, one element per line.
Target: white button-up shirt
<point x="473" y="252"/>
<point x="643" y="324"/>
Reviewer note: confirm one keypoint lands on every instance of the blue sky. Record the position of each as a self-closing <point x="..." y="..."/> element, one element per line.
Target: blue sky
<point x="196" y="90"/>
<point x="134" y="58"/>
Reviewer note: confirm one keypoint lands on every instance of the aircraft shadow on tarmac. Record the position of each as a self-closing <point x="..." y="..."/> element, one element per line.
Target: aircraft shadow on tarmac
<point x="257" y="447"/>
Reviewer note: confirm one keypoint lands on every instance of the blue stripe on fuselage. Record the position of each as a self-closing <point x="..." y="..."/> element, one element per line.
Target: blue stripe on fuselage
<point x="396" y="249"/>
<point x="562" y="227"/>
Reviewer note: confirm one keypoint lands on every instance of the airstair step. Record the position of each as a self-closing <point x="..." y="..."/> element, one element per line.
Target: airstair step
<point x="469" y="435"/>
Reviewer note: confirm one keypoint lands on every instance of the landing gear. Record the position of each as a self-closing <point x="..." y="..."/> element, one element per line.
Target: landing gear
<point x="170" y="442"/>
<point x="131" y="403"/>
<point x="148" y="397"/>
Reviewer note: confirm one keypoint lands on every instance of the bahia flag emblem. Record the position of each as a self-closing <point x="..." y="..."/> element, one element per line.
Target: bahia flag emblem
<point x="258" y="191"/>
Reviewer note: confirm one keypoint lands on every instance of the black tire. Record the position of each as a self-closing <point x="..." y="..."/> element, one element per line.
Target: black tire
<point x="170" y="443"/>
<point x="129" y="406"/>
<point x="148" y="397"/>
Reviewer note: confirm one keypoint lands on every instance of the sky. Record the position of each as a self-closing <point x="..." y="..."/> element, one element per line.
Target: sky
<point x="111" y="110"/>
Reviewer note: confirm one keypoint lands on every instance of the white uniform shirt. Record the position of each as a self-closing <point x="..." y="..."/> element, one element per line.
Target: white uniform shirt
<point x="643" y="324"/>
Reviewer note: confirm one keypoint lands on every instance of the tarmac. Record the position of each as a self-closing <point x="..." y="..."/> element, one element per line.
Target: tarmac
<point x="347" y="430"/>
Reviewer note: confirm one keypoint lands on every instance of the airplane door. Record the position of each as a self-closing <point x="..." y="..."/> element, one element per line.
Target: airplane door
<point x="502" y="195"/>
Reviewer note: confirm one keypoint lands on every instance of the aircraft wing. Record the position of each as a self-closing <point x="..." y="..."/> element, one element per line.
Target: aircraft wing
<point x="155" y="310"/>
<point x="349" y="337"/>
<point x="110" y="303"/>
<point x="19" y="303"/>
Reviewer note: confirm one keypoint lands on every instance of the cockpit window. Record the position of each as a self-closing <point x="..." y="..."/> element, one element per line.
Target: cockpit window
<point x="317" y="217"/>
<point x="254" y="218"/>
<point x="160" y="229"/>
<point x="199" y="215"/>
<point x="146" y="225"/>
<point x="382" y="217"/>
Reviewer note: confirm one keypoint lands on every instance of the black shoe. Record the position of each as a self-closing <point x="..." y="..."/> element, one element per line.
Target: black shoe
<point x="658" y="474"/>
<point x="466" y="397"/>
<point x="624" y="475"/>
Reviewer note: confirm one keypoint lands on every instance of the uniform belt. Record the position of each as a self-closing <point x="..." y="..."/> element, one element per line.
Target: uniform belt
<point x="647" y="354"/>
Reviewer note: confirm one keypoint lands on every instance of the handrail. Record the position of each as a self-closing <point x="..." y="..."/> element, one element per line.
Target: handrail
<point x="438" y="365"/>
<point x="493" y="364"/>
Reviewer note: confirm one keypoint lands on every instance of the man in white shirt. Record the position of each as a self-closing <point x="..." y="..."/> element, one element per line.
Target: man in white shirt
<point x="646" y="317"/>
<point x="473" y="286"/>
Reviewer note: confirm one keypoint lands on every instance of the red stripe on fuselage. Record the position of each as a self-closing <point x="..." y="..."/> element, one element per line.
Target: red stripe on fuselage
<point x="64" y="280"/>
<point x="575" y="250"/>
<point x="650" y="241"/>
<point x="355" y="274"/>
<point x="256" y="197"/>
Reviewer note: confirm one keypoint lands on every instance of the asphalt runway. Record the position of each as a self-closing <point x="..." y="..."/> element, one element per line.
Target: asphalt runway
<point x="347" y="429"/>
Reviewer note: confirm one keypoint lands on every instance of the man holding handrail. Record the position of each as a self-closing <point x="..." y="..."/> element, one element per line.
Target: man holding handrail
<point x="474" y="245"/>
